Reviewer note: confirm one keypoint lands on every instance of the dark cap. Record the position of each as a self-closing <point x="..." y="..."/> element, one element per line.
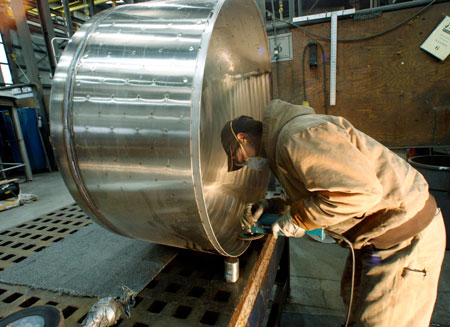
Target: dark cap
<point x="228" y="137"/>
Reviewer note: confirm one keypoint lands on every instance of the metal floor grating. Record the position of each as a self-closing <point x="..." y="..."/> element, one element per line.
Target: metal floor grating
<point x="189" y="291"/>
<point x="21" y="242"/>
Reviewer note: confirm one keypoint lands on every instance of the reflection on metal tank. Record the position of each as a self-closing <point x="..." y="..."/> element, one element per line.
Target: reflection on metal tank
<point x="138" y="101"/>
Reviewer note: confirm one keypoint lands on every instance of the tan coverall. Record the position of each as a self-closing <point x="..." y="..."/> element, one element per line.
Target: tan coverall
<point x="337" y="177"/>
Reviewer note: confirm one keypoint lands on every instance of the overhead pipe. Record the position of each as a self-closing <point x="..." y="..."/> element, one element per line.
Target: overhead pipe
<point x="387" y="8"/>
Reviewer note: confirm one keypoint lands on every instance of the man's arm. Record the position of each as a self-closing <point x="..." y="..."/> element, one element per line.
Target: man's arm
<point x="342" y="181"/>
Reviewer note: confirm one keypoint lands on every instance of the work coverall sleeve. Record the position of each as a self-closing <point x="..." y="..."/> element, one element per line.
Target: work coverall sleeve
<point x="277" y="205"/>
<point x="341" y="180"/>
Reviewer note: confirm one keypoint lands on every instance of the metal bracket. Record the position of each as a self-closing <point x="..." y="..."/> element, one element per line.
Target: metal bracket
<point x="53" y="46"/>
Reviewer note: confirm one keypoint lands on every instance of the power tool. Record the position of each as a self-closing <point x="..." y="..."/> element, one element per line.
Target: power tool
<point x="263" y="226"/>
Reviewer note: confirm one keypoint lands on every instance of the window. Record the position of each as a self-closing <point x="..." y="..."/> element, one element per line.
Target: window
<point x="4" y="67"/>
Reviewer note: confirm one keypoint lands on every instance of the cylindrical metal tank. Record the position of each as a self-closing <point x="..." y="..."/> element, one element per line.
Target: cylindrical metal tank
<point x="138" y="100"/>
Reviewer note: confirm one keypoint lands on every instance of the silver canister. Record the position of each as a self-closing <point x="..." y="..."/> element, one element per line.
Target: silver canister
<point x="138" y="101"/>
<point x="231" y="269"/>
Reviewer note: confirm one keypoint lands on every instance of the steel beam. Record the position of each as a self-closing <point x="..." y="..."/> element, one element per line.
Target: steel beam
<point x="67" y="18"/>
<point x="26" y="44"/>
<point x="299" y="8"/>
<point x="91" y="8"/>
<point x="291" y="9"/>
<point x="27" y="51"/>
<point x="28" y="54"/>
<point x="32" y="73"/>
<point x="47" y="30"/>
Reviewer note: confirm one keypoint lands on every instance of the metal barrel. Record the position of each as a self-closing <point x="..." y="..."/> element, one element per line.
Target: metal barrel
<point x="138" y="101"/>
<point x="436" y="170"/>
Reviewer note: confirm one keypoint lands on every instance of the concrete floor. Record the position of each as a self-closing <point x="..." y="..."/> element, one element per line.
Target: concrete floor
<point x="315" y="300"/>
<point x="315" y="267"/>
<point x="52" y="194"/>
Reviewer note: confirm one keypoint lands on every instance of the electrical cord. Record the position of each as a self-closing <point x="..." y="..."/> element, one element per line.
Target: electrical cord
<point x="324" y="78"/>
<point x="343" y="238"/>
<point x="271" y="14"/>
<point x="305" y="100"/>
<point x="276" y="56"/>
<point x="276" y="61"/>
<point x="359" y="38"/>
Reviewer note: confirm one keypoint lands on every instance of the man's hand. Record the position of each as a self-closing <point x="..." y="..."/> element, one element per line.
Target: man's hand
<point x="285" y="225"/>
<point x="252" y="213"/>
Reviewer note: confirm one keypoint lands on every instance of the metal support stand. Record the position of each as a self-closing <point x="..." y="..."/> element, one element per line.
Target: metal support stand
<point x="21" y="143"/>
<point x="32" y="72"/>
<point x="254" y="300"/>
<point x="283" y="285"/>
<point x="12" y="165"/>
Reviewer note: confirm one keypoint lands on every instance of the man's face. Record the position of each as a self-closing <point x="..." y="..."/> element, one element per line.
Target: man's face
<point x="244" y="150"/>
<point x="239" y="157"/>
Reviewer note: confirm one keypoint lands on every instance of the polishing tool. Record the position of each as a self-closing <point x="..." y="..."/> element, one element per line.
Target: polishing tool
<point x="264" y="226"/>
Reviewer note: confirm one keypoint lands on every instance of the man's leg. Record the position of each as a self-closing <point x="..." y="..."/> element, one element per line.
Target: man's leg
<point x="401" y="290"/>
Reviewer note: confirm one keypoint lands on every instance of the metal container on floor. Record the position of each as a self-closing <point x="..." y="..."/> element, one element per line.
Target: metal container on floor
<point x="436" y="170"/>
<point x="139" y="97"/>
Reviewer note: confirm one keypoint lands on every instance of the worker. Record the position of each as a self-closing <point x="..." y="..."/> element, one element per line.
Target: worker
<point x="338" y="178"/>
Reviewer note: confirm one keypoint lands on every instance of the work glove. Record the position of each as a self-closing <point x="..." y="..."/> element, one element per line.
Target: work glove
<point x="252" y="213"/>
<point x="286" y="225"/>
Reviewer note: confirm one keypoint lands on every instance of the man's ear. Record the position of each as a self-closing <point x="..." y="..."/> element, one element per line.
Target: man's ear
<point x="243" y="137"/>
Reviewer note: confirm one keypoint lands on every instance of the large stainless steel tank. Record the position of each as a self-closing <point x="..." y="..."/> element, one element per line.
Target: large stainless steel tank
<point x="139" y="97"/>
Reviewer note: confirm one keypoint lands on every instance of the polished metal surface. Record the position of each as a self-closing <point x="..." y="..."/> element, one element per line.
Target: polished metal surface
<point x="231" y="271"/>
<point x="138" y="101"/>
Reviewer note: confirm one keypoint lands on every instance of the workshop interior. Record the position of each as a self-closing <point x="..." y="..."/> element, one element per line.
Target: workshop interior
<point x="116" y="206"/>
